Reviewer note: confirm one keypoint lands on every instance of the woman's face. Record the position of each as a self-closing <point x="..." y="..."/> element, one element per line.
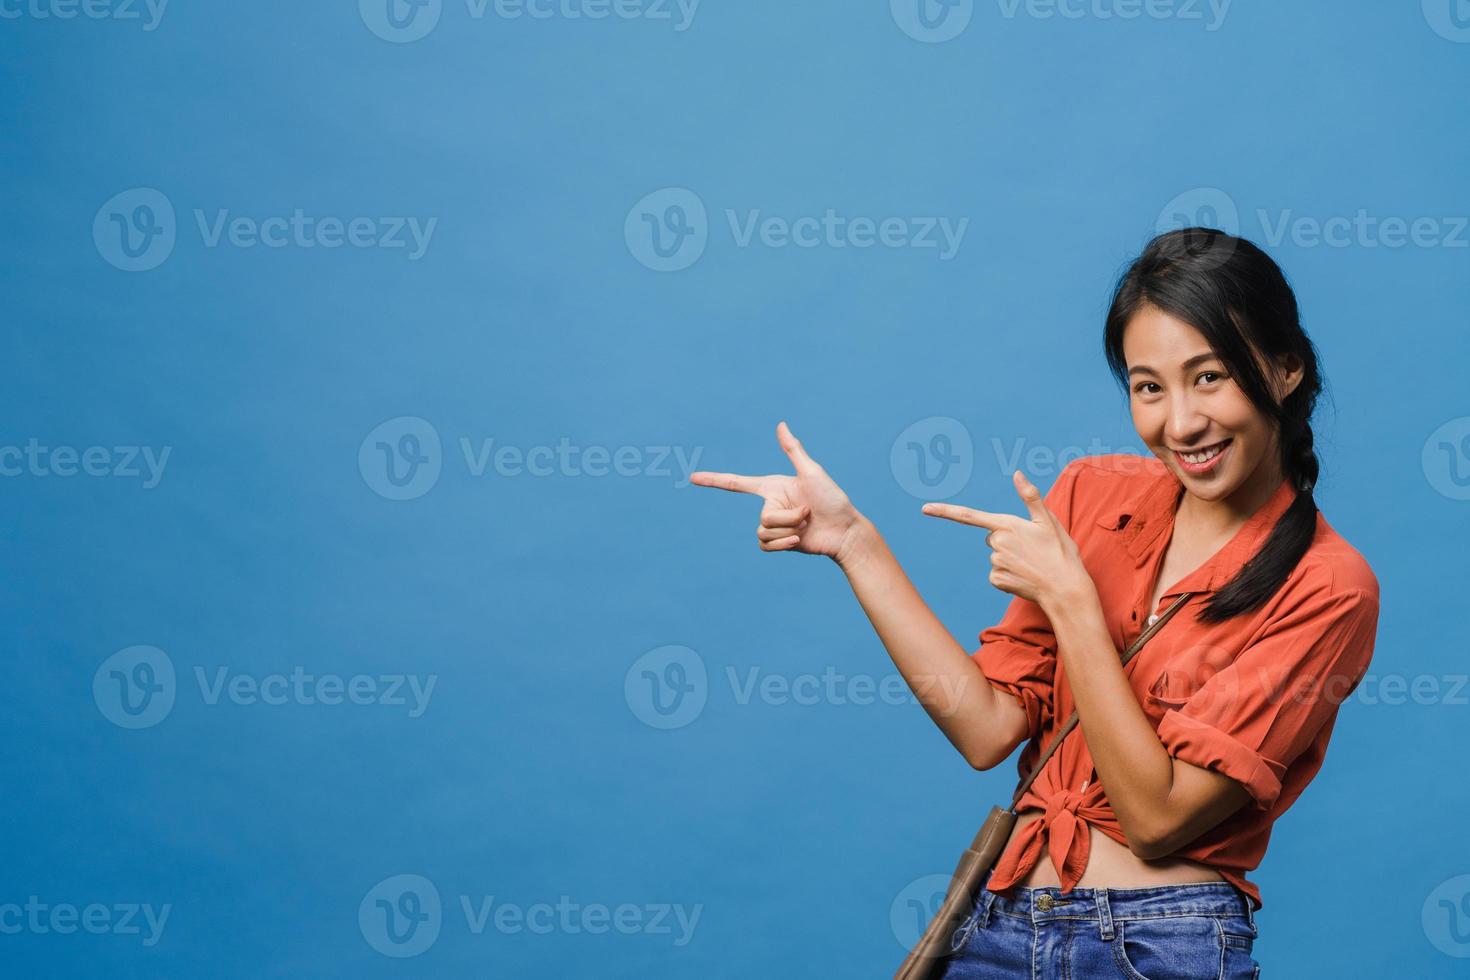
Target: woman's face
<point x="1190" y="412"/>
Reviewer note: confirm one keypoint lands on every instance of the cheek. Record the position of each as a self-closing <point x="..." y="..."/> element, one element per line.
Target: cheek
<point x="1235" y="412"/>
<point x="1148" y="422"/>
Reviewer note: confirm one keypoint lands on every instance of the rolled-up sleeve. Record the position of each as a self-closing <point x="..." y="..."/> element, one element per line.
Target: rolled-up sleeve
<point x="1018" y="655"/>
<point x="1252" y="719"/>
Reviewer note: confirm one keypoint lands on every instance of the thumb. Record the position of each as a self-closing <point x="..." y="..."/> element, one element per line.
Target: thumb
<point x="1031" y="496"/>
<point x="804" y="464"/>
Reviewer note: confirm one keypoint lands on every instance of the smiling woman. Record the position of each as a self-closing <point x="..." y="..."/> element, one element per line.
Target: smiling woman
<point x="1188" y="757"/>
<point x="1130" y="848"/>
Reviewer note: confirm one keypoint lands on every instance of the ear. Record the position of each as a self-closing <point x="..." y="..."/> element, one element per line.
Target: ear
<point x="1289" y="373"/>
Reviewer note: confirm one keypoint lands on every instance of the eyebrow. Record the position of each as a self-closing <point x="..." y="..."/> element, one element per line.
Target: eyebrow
<point x="1208" y="355"/>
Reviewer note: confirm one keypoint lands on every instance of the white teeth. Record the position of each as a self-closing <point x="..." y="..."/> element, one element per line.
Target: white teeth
<point x="1203" y="457"/>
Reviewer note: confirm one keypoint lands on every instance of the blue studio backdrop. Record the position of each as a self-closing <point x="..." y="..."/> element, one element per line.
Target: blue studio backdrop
<point x="359" y="619"/>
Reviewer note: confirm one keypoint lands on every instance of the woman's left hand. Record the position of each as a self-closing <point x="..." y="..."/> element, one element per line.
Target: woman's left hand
<point x="1032" y="557"/>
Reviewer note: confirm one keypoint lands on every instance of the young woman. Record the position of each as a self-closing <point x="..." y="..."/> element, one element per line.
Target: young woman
<point x="1130" y="850"/>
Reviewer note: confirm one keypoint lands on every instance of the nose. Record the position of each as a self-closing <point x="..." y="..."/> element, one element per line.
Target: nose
<point x="1186" y="424"/>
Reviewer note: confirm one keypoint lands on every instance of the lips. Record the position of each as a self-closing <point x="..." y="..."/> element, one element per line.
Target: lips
<point x="1204" y="459"/>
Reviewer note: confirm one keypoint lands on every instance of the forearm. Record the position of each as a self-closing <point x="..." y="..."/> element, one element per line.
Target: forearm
<point x="949" y="684"/>
<point x="1136" y="771"/>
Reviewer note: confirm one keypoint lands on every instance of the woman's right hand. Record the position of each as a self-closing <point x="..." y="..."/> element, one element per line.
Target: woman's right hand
<point x="807" y="512"/>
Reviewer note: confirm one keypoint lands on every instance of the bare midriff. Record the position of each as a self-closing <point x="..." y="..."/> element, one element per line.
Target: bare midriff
<point x="1111" y="865"/>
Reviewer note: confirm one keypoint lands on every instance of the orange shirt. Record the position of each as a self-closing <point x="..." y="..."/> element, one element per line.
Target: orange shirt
<point x="1254" y="697"/>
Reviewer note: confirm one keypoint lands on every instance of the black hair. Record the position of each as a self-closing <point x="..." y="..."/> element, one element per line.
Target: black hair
<point x="1237" y="297"/>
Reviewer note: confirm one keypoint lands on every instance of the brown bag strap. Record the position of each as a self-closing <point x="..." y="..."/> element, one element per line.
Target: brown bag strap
<point x="1071" y="722"/>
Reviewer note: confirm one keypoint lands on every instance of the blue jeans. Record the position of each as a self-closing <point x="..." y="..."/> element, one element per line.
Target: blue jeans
<point x="1196" y="931"/>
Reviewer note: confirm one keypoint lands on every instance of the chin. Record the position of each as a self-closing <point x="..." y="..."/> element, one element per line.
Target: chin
<point x="1212" y="491"/>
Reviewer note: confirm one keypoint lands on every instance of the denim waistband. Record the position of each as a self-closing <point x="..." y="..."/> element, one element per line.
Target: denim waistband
<point x="1104" y="905"/>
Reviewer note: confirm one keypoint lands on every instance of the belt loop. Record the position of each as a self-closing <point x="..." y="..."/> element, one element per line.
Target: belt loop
<point x="987" y="898"/>
<point x="1249" y="915"/>
<point x="1104" y="915"/>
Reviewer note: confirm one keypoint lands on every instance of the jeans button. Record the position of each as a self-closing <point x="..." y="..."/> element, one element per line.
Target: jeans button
<point x="1044" y="902"/>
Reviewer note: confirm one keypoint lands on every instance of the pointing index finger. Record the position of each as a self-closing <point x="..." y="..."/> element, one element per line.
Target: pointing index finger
<point x="734" y="482"/>
<point x="968" y="515"/>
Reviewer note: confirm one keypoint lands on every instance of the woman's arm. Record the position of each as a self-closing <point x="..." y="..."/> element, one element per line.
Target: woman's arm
<point x="1161" y="803"/>
<point x="984" y="724"/>
<point x="808" y="513"/>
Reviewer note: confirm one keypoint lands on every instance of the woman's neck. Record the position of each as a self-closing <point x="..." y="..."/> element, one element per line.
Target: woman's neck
<point x="1222" y="518"/>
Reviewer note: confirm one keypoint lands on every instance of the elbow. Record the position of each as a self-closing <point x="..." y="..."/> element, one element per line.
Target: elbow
<point x="1146" y="851"/>
<point x="1151" y="843"/>
<point x="983" y="762"/>
<point x="996" y="745"/>
<point x="988" y="756"/>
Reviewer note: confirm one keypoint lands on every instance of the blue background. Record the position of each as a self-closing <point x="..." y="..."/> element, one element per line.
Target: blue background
<point x="530" y="319"/>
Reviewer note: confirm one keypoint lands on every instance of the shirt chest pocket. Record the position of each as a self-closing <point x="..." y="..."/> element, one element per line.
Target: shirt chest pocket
<point x="1178" y="674"/>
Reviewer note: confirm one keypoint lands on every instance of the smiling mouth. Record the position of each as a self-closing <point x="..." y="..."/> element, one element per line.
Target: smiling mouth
<point x="1200" y="460"/>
